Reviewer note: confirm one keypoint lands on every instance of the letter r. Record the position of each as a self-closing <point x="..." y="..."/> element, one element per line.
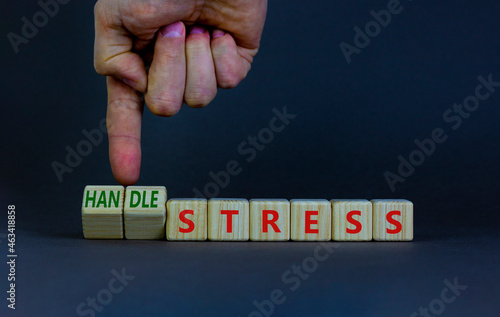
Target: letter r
<point x="266" y="221"/>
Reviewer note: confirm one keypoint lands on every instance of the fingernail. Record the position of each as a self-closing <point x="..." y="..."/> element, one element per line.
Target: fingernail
<point x="197" y="30"/>
<point x="172" y="30"/>
<point x="218" y="33"/>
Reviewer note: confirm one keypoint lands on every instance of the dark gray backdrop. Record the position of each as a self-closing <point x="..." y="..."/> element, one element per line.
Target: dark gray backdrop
<point x="352" y="122"/>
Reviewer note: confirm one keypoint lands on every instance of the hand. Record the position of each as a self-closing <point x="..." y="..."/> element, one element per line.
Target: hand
<point x="191" y="47"/>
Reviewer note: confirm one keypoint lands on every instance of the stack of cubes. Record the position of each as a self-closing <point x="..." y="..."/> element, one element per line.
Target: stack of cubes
<point x="143" y="212"/>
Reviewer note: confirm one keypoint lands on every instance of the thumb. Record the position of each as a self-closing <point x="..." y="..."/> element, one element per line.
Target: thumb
<point x="113" y="54"/>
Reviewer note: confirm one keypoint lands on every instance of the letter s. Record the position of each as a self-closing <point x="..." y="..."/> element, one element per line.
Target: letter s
<point x="394" y="222"/>
<point x="353" y="221"/>
<point x="190" y="223"/>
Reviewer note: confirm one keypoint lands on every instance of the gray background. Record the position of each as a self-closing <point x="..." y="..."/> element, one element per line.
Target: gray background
<point x="353" y="121"/>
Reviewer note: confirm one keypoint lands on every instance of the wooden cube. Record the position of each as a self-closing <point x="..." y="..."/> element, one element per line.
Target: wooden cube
<point x="269" y="220"/>
<point x="102" y="212"/>
<point x="352" y="220"/>
<point x="145" y="212"/>
<point x="311" y="219"/>
<point x="392" y="220"/>
<point x="228" y="219"/>
<point x="187" y="219"/>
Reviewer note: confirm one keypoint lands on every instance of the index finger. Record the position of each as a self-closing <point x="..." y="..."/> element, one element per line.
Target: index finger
<point x="124" y="118"/>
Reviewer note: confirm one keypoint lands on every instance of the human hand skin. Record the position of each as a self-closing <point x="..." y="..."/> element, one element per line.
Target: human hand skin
<point x="191" y="47"/>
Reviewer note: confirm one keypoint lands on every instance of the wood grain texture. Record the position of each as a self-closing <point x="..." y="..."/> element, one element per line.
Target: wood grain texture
<point x="218" y="222"/>
<point x="145" y="212"/>
<point x="381" y="225"/>
<point x="360" y="216"/>
<point x="197" y="214"/>
<point x="102" y="212"/>
<point x="300" y="208"/>
<point x="273" y="207"/>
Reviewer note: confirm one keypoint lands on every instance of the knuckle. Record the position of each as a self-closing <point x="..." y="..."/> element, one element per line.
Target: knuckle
<point x="173" y="53"/>
<point x="199" y="98"/>
<point x="164" y="106"/>
<point x="115" y="108"/>
<point x="147" y="8"/>
<point x="123" y="103"/>
<point x="197" y="102"/>
<point x="229" y="81"/>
